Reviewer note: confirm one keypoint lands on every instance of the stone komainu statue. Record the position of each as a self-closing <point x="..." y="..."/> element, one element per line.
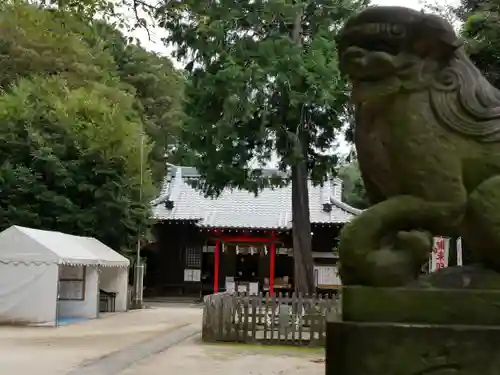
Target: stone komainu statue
<point x="428" y="142"/>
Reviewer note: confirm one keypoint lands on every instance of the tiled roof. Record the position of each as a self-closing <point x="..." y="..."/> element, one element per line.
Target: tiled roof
<point x="271" y="209"/>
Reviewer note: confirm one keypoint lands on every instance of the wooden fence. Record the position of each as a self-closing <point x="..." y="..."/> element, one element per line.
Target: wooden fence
<point x="276" y="320"/>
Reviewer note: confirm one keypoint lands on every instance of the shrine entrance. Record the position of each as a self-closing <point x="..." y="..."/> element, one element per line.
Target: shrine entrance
<point x="248" y="263"/>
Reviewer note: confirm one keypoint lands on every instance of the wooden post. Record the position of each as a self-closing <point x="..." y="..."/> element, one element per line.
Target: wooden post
<point x="216" y="266"/>
<point x="272" y="260"/>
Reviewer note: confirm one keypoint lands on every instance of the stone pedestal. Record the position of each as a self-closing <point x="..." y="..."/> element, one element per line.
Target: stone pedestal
<point x="405" y="331"/>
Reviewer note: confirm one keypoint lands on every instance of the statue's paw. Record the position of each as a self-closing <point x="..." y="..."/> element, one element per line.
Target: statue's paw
<point x="392" y="260"/>
<point x="392" y="267"/>
<point x="415" y="242"/>
<point x="400" y="260"/>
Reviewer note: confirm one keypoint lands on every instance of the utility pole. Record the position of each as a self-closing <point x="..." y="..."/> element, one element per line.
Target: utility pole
<point x="139" y="267"/>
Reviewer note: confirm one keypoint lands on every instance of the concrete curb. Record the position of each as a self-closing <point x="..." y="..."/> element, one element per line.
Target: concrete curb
<point x="118" y="361"/>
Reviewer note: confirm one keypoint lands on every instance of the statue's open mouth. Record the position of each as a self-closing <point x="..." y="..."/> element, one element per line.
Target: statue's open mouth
<point x="368" y="66"/>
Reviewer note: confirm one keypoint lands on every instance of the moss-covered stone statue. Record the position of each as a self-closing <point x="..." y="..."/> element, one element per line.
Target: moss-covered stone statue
<point x="428" y="142"/>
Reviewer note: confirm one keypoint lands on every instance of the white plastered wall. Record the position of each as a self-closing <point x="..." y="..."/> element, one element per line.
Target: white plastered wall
<point x="88" y="308"/>
<point x="115" y="280"/>
<point x="28" y="293"/>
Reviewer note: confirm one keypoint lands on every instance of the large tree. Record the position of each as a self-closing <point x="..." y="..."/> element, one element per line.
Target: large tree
<point x="353" y="192"/>
<point x="481" y="31"/>
<point x="88" y="50"/>
<point x="478" y="22"/>
<point x="71" y="130"/>
<point x="157" y="86"/>
<point x="70" y="161"/>
<point x="264" y="83"/>
<point x="38" y="42"/>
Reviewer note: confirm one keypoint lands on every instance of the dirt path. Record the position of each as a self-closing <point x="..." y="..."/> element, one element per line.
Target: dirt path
<point x="193" y="357"/>
<point x="57" y="351"/>
<point x="109" y="345"/>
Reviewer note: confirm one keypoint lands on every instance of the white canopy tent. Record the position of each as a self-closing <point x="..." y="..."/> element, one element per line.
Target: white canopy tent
<point x="45" y="276"/>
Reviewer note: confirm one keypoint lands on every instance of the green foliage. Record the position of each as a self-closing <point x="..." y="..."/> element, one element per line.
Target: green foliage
<point x="467" y="7"/>
<point x="85" y="9"/>
<point x="157" y="85"/>
<point x="479" y="24"/>
<point x="353" y="192"/>
<point x="63" y="169"/>
<point x="85" y="52"/>
<point x="482" y="34"/>
<point x="254" y="89"/>
<point x="36" y="42"/>
<point x="159" y="89"/>
<point x="448" y="10"/>
<point x="127" y="14"/>
<point x="76" y="99"/>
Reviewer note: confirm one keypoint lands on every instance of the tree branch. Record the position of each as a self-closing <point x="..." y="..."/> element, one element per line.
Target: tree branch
<point x="140" y="20"/>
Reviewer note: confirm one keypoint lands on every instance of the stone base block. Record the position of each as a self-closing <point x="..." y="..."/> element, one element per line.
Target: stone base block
<point x="421" y="306"/>
<point x="362" y="348"/>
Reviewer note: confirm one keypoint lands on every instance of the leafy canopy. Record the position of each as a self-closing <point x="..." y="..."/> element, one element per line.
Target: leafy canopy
<point x="157" y="86"/>
<point x="478" y="22"/>
<point x="252" y="85"/>
<point x="481" y="31"/>
<point x="38" y="42"/>
<point x="353" y="192"/>
<point x="71" y="160"/>
<point x="82" y="51"/>
<point x="72" y="121"/>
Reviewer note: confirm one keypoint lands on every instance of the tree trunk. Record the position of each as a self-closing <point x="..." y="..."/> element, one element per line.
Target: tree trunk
<point x="301" y="221"/>
<point x="301" y="231"/>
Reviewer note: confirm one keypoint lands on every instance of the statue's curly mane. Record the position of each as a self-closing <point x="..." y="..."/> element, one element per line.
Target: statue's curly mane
<point x="464" y="101"/>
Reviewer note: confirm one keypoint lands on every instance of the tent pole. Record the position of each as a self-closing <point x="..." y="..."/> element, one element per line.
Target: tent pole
<point x="98" y="302"/>
<point x="56" y="324"/>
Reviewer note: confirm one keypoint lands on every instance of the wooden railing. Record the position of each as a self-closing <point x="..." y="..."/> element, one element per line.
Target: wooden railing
<point x="277" y="320"/>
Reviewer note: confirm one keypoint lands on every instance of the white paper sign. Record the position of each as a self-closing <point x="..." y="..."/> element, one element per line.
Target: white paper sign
<point x="459" y="252"/>
<point x="242" y="288"/>
<point x="193" y="275"/>
<point x="440" y="254"/>
<point x="254" y="289"/>
<point x="327" y="275"/>
<point x="230" y="286"/>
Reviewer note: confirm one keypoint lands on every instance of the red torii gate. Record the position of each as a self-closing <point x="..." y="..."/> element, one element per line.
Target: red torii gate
<point x="243" y="238"/>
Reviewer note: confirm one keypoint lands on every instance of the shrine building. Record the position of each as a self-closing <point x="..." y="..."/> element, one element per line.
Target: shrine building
<point x="237" y="241"/>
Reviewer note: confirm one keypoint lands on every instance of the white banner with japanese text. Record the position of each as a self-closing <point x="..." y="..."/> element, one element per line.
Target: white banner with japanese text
<point x="440" y="254"/>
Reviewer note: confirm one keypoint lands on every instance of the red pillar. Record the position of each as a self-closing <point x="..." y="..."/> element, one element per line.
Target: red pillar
<point x="216" y="266"/>
<point x="272" y="260"/>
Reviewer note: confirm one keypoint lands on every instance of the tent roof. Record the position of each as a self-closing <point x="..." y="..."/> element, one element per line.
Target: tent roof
<point x="103" y="252"/>
<point x="27" y="245"/>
